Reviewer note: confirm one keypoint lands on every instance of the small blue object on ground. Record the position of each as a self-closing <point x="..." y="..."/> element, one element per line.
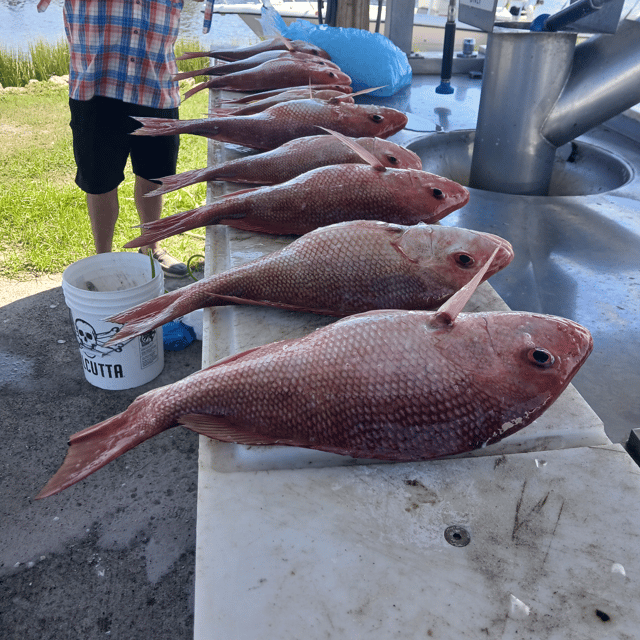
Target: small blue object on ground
<point x="177" y="336"/>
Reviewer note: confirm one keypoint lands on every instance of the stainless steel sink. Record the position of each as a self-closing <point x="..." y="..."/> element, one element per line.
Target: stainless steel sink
<point x="580" y="168"/>
<point x="577" y="251"/>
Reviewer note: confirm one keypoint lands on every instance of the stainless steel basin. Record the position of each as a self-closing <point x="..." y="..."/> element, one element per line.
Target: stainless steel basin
<point x="579" y="168"/>
<point x="577" y="252"/>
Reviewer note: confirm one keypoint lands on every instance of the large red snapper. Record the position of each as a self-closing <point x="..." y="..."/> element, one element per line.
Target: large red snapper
<point x="292" y="159"/>
<point x="321" y="197"/>
<point x="265" y="94"/>
<point x="338" y="270"/>
<point x="388" y="385"/>
<point x="328" y="95"/>
<point x="274" y="74"/>
<point x="276" y="125"/>
<point x="273" y="44"/>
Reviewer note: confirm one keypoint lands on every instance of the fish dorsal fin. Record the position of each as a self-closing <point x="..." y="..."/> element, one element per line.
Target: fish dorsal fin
<point x="360" y="150"/>
<point x="286" y="42"/>
<point x="449" y="311"/>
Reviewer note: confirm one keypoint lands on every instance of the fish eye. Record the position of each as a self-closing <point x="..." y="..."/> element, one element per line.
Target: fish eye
<point x="377" y="117"/>
<point x="331" y="74"/>
<point x="437" y="193"/>
<point x="392" y="159"/>
<point x="540" y="357"/>
<point x="464" y="260"/>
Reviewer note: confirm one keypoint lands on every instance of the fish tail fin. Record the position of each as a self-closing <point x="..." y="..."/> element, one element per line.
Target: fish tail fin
<point x="172" y="225"/>
<point x="93" y="448"/>
<point x="180" y="180"/>
<point x="161" y="126"/>
<point x="183" y="75"/>
<point x="154" y="313"/>
<point x="188" y="55"/>
<point x="200" y="86"/>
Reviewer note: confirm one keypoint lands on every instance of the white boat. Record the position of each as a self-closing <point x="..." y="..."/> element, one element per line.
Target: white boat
<point x="428" y="22"/>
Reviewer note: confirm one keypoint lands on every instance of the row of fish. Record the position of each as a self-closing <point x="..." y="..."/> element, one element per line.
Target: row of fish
<point x="405" y="375"/>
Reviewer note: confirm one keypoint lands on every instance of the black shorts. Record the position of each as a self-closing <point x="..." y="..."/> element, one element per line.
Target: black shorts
<point x="102" y="144"/>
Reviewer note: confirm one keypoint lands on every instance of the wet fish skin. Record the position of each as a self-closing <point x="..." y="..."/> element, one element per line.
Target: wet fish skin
<point x="273" y="44"/>
<point x="283" y="122"/>
<point x="274" y="74"/>
<point x="297" y="94"/>
<point x="321" y="197"/>
<point x="292" y="159"/>
<point x="254" y="61"/>
<point x="339" y="270"/>
<point x="389" y="385"/>
<point x="273" y="92"/>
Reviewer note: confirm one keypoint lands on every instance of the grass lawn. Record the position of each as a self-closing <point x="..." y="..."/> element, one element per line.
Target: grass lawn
<point x="43" y="215"/>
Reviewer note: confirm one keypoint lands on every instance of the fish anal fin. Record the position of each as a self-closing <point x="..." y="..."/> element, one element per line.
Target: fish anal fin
<point x="222" y="429"/>
<point x="277" y="305"/>
<point x="360" y="150"/>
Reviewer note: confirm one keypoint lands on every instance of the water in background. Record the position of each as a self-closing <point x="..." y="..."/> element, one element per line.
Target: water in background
<point x="21" y="24"/>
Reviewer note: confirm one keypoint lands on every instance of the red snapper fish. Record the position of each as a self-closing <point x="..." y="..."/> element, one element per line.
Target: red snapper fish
<point x="385" y="385"/>
<point x="276" y="125"/>
<point x="321" y="197"/>
<point x="328" y="95"/>
<point x="275" y="74"/>
<point x="273" y="44"/>
<point x="339" y="270"/>
<point x="254" y="61"/>
<point x="274" y="92"/>
<point x="292" y="159"/>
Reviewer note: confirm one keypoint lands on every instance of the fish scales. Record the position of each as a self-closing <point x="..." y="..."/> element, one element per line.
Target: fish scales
<point x="338" y="270"/>
<point x="321" y="197"/>
<point x="254" y="61"/>
<point x="274" y="74"/>
<point x="292" y="159"/>
<point x="283" y="122"/>
<point x="273" y="44"/>
<point x="299" y="94"/>
<point x="388" y="385"/>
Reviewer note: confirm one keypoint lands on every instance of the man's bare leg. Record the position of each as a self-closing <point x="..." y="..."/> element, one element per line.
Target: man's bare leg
<point x="103" y="213"/>
<point x="149" y="210"/>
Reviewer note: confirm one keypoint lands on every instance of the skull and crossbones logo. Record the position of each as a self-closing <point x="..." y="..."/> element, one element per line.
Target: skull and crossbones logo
<point x="93" y="342"/>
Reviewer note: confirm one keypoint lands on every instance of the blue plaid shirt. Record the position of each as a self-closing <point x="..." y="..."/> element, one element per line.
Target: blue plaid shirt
<point x="123" y="49"/>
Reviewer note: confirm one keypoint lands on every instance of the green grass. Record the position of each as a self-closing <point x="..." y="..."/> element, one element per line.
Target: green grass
<point x="45" y="59"/>
<point x="42" y="61"/>
<point x="43" y="215"/>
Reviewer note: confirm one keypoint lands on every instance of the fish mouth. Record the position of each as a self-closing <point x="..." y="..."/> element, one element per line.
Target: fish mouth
<point x="456" y="201"/>
<point x="504" y="256"/>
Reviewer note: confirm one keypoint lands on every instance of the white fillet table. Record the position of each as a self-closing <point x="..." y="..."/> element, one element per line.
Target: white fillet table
<point x="534" y="537"/>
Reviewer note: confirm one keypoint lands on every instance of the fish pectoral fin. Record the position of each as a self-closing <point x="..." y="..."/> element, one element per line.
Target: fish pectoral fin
<point x="222" y="429"/>
<point x="366" y="156"/>
<point x="450" y="310"/>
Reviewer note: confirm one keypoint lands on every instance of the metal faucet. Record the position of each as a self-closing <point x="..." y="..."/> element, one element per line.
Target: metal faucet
<point x="540" y="91"/>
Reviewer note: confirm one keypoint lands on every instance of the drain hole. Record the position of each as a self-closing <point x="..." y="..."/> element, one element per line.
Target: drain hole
<point x="457" y="536"/>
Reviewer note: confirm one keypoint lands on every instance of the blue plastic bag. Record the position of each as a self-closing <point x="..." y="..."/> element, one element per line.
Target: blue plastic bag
<point x="177" y="336"/>
<point x="369" y="59"/>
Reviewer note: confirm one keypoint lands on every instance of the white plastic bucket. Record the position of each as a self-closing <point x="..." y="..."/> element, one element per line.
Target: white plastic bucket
<point x="98" y="287"/>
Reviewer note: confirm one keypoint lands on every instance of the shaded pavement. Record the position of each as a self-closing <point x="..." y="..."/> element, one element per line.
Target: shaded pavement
<point x="114" y="555"/>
